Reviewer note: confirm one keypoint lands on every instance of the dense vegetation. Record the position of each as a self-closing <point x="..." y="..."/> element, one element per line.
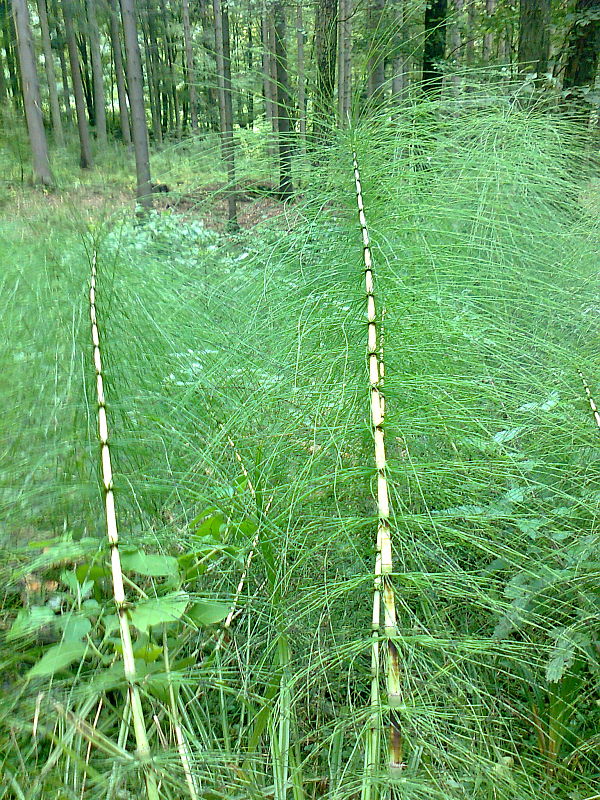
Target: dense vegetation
<point x="340" y="386"/>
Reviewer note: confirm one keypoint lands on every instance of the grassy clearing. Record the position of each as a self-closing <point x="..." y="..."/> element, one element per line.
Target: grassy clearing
<point x="238" y="400"/>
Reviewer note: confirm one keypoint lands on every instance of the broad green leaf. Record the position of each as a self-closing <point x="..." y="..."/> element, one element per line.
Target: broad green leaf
<point x="208" y="612"/>
<point x="30" y="620"/>
<point x="74" y="627"/>
<point x="502" y="437"/>
<point x="56" y="658"/>
<point x="162" y="609"/>
<point x="530" y="527"/>
<point x="148" y="564"/>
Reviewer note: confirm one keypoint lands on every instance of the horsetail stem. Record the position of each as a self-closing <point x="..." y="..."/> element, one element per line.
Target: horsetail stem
<point x="383" y="598"/>
<point x="139" y="724"/>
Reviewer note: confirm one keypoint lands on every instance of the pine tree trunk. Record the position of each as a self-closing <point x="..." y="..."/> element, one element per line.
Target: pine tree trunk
<point x="300" y="37"/>
<point x="50" y="76"/>
<point x="85" y="159"/>
<point x="31" y="96"/>
<point x="434" y="49"/>
<point x="119" y="73"/>
<point x="190" y="73"/>
<point x="60" y="46"/>
<point x="534" y="36"/>
<point x="222" y="49"/>
<point x="97" y="75"/>
<point x="377" y="49"/>
<point x="325" y="57"/>
<point x="135" y="82"/>
<point x="283" y="102"/>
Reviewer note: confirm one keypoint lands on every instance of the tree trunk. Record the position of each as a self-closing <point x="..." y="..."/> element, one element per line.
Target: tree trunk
<point x="325" y="57"/>
<point x="534" y="36"/>
<point x="153" y="70"/>
<point x="584" y="49"/>
<point x="300" y="37"/>
<point x="490" y="7"/>
<point x="344" y="60"/>
<point x="60" y="47"/>
<point x="50" y="76"/>
<point x="434" y="48"/>
<point x="269" y="88"/>
<point x="223" y="54"/>
<point x="250" y="68"/>
<point x="97" y="75"/>
<point x="378" y="48"/>
<point x="170" y="61"/>
<point x="9" y="37"/>
<point x="119" y="74"/>
<point x="190" y="73"/>
<point x="31" y="96"/>
<point x="3" y="86"/>
<point x="85" y="159"/>
<point x="401" y="61"/>
<point x="87" y="80"/>
<point x="283" y="102"/>
<point x="135" y="82"/>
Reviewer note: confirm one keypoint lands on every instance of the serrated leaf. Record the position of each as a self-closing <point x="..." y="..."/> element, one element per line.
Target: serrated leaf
<point x="530" y="527"/>
<point x="162" y="609"/>
<point x="58" y="657"/>
<point x="153" y="565"/>
<point x="30" y="620"/>
<point x="208" y="612"/>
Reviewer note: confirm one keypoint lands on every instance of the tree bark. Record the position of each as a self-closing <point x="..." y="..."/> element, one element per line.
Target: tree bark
<point x="50" y="75"/>
<point x="222" y="49"/>
<point x="190" y="72"/>
<point x="325" y="57"/>
<point x="60" y="47"/>
<point x="434" y="49"/>
<point x="300" y="37"/>
<point x="31" y="96"/>
<point x="269" y="87"/>
<point x="9" y="37"/>
<point x="534" y="36"/>
<point x="119" y="73"/>
<point x="85" y="159"/>
<point x="135" y="82"/>
<point x="401" y="61"/>
<point x="378" y="48"/>
<point x="344" y="60"/>
<point x="97" y="75"/>
<point x="490" y="8"/>
<point x="283" y="102"/>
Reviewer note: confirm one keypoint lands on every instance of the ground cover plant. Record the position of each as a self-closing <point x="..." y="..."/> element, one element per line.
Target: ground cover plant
<point x="238" y="401"/>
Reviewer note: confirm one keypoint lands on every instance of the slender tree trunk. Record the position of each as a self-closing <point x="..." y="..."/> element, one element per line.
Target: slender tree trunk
<point x="31" y="96"/>
<point x="325" y="56"/>
<point x="154" y="71"/>
<point x="9" y="37"/>
<point x="119" y="73"/>
<point x="269" y="87"/>
<point x="190" y="72"/>
<point x="490" y="8"/>
<point x="401" y="62"/>
<point x="378" y="48"/>
<point x="85" y="159"/>
<point x="471" y="22"/>
<point x="223" y="54"/>
<point x="435" y="45"/>
<point x="534" y="36"/>
<point x="300" y="37"/>
<point x="87" y="80"/>
<point x="153" y="93"/>
<point x="60" y="47"/>
<point x="250" y="68"/>
<point x="170" y="61"/>
<point x="97" y="74"/>
<point x="135" y="82"/>
<point x="50" y="76"/>
<point x="283" y="102"/>
<point x="3" y="87"/>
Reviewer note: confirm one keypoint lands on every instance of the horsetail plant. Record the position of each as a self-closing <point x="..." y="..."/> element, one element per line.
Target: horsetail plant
<point x="591" y="401"/>
<point x="383" y="589"/>
<point x="129" y="667"/>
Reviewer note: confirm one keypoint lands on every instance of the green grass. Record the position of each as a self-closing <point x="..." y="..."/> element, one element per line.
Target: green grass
<point x="486" y="264"/>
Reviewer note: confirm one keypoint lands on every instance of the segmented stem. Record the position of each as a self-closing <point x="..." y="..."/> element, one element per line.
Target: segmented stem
<point x="139" y="724"/>
<point x="593" y="405"/>
<point x="383" y="598"/>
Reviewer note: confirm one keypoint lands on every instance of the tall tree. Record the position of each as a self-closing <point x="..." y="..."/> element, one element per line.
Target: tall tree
<point x="223" y="53"/>
<point x="300" y="38"/>
<point x="534" y="36"/>
<point x="9" y="38"/>
<point x="344" y="60"/>
<point x="283" y="101"/>
<point x="85" y="158"/>
<point x="135" y="81"/>
<point x="583" y="48"/>
<point x="59" y="45"/>
<point x="119" y="73"/>
<point x="434" y="48"/>
<point x="378" y="47"/>
<point x="31" y="96"/>
<point x="325" y="57"/>
<point x="401" y="60"/>
<point x="190" y="72"/>
<point x="97" y="75"/>
<point x="50" y="75"/>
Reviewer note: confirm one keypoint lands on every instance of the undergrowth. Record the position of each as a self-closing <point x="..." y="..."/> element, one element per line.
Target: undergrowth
<point x="238" y="399"/>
